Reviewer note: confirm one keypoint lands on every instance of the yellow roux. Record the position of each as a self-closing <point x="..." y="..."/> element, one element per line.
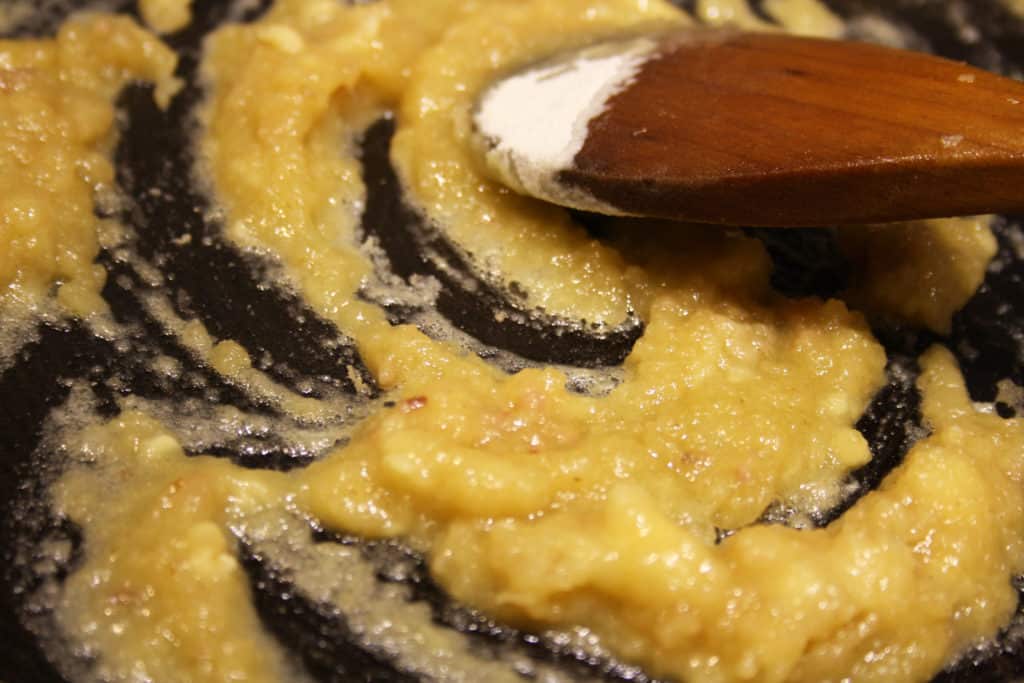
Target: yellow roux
<point x="56" y="114"/>
<point x="166" y="16"/>
<point x="545" y="508"/>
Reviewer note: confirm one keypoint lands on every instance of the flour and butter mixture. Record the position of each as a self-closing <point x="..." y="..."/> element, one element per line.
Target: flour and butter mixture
<point x="632" y="515"/>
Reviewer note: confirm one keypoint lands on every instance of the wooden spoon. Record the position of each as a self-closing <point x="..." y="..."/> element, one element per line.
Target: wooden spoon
<point x="757" y="129"/>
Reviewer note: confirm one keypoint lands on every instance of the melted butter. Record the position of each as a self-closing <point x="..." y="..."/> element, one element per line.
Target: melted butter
<point x="546" y="508"/>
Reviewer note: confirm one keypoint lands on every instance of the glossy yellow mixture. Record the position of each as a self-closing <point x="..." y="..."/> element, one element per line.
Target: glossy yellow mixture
<point x="940" y="263"/>
<point x="545" y="508"/>
<point x="166" y="16"/>
<point x="56" y="115"/>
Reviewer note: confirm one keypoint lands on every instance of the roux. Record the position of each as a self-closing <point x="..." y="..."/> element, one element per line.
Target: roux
<point x="545" y="508"/>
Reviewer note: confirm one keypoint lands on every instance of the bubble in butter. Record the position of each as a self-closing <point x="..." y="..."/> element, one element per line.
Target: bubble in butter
<point x="545" y="508"/>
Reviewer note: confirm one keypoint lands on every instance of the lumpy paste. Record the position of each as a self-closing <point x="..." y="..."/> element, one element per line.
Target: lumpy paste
<point x="545" y="508"/>
<point x="56" y="116"/>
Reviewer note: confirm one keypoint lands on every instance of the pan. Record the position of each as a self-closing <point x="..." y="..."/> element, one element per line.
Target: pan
<point x="224" y="288"/>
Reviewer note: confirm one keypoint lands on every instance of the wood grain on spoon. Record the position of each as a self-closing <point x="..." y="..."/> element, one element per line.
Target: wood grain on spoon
<point x="759" y="129"/>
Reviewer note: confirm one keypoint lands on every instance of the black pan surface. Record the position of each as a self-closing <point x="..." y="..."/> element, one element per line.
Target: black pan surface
<point x="213" y="281"/>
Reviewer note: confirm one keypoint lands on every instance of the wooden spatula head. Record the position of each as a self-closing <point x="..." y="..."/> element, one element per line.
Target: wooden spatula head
<point x="775" y="130"/>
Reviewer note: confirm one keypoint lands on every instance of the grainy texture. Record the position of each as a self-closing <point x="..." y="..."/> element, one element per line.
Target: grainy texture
<point x="37" y="381"/>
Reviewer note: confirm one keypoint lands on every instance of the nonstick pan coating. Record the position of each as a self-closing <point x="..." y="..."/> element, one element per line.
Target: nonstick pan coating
<point x="222" y="287"/>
